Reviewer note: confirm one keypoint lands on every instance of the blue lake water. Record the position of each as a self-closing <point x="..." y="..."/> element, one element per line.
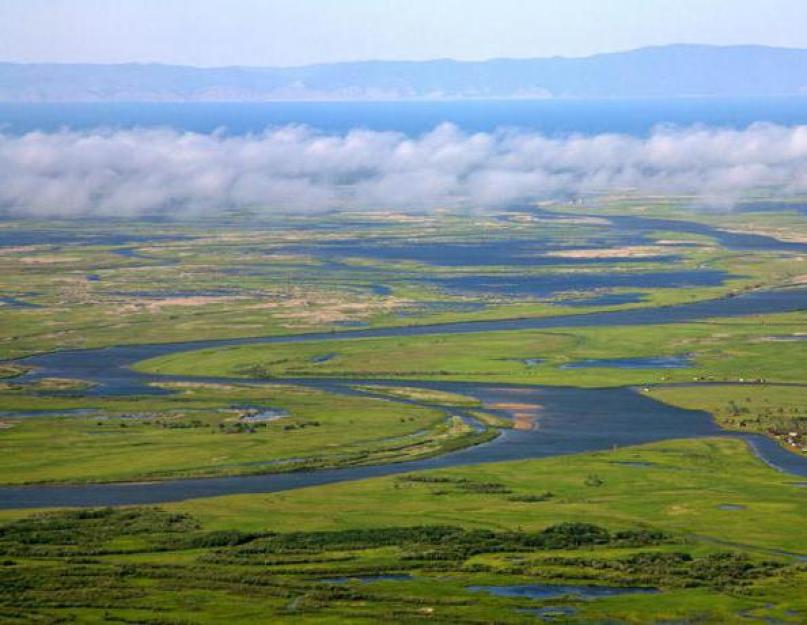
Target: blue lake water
<point x="77" y="236"/>
<point x="552" y="591"/>
<point x="367" y="579"/>
<point x="549" y="284"/>
<point x="15" y="302"/>
<point x="74" y="412"/>
<point x="653" y="362"/>
<point x="554" y="117"/>
<point x="522" y="252"/>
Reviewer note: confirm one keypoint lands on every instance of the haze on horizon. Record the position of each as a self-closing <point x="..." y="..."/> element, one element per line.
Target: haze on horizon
<point x="282" y="33"/>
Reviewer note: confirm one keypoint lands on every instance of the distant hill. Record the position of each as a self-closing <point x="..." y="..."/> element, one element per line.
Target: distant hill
<point x="668" y="71"/>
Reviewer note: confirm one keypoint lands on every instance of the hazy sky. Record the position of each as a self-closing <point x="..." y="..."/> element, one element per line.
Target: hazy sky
<point x="292" y="32"/>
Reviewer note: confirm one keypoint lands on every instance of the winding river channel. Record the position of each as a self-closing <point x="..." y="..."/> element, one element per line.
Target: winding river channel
<point x="568" y="420"/>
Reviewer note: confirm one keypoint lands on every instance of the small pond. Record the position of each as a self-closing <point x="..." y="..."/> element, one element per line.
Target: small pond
<point x="367" y="579"/>
<point x="552" y="591"/>
<point x="14" y="302"/>
<point x="550" y="613"/>
<point x="70" y="412"/>
<point x="653" y="362"/>
<point x="261" y="414"/>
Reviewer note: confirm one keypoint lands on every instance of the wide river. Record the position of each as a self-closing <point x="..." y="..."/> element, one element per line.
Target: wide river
<point x="570" y="420"/>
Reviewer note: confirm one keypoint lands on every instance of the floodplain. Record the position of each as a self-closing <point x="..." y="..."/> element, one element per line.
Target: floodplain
<point x="554" y="413"/>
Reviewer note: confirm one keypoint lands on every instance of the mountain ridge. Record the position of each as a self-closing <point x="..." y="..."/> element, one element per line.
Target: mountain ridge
<point x="677" y="70"/>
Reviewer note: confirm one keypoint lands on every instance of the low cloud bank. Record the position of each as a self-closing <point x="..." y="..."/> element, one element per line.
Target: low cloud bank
<point x="134" y="172"/>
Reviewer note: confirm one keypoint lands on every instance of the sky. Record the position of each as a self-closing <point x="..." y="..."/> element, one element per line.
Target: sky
<point x="298" y="32"/>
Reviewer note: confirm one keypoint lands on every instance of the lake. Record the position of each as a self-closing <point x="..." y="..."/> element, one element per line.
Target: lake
<point x="552" y="117"/>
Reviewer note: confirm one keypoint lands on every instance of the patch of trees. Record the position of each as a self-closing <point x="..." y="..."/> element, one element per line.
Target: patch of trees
<point x="722" y="570"/>
<point x="74" y="578"/>
<point x="457" y="484"/>
<point x="546" y="496"/>
<point x="434" y="542"/>
<point x="86" y="531"/>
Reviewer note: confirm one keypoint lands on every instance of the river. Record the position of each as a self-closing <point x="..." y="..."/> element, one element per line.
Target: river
<point x="568" y="420"/>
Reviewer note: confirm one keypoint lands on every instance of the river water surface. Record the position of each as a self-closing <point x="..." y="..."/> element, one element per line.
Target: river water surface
<point x="567" y="420"/>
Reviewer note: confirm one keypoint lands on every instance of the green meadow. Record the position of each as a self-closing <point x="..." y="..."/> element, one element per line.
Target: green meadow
<point x="226" y="280"/>
<point x="655" y="517"/>
<point x="677" y="532"/>
<point x="213" y="430"/>
<point x="773" y="409"/>
<point x="736" y="349"/>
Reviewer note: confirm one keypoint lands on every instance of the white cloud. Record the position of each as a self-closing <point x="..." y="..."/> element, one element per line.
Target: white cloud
<point x="131" y="172"/>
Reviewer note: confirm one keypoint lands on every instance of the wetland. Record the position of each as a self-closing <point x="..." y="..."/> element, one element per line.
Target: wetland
<point x="545" y="414"/>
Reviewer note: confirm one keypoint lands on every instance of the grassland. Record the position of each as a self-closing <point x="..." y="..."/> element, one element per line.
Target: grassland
<point x="737" y="349"/>
<point x="213" y="430"/>
<point x="757" y="356"/>
<point x="224" y="280"/>
<point x="776" y="410"/>
<point x="654" y="517"/>
<point x="423" y="395"/>
<point x="718" y="533"/>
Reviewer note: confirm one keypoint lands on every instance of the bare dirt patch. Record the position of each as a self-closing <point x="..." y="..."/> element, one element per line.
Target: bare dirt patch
<point x="524" y="415"/>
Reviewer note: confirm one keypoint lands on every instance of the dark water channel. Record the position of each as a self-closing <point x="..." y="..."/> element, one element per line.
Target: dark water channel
<point x="570" y="420"/>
